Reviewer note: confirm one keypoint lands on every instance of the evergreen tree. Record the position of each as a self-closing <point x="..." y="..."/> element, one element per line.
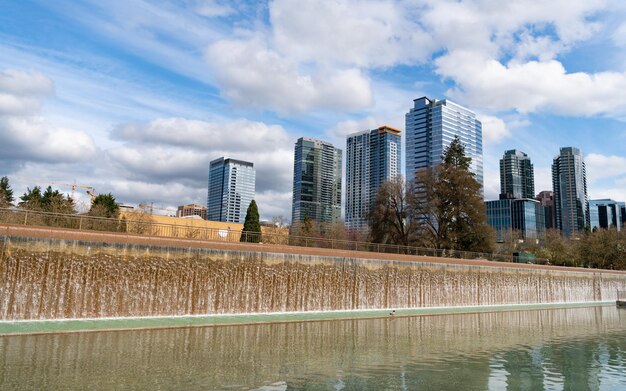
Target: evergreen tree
<point x="6" y="193"/>
<point x="451" y="203"/>
<point x="32" y="199"/>
<point x="104" y="205"/>
<point x="251" y="227"/>
<point x="54" y="201"/>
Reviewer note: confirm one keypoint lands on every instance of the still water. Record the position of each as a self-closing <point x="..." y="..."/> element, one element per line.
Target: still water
<point x="552" y="349"/>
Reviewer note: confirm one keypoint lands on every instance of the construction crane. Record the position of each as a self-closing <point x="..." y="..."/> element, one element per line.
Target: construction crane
<point x="90" y="190"/>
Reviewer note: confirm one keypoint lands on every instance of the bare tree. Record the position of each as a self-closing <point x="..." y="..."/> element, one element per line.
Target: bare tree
<point x="392" y="218"/>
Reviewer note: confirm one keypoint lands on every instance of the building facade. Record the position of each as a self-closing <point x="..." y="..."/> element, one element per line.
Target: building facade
<point x="569" y="182"/>
<point x="372" y="157"/>
<point x="316" y="181"/>
<point x="606" y="213"/>
<point x="523" y="215"/>
<point x="231" y="189"/>
<point x="431" y="125"/>
<point x="517" y="176"/>
<point x="546" y="199"/>
<point x="191" y="210"/>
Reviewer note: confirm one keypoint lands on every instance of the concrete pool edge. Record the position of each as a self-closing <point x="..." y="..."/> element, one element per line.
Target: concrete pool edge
<point x="55" y="326"/>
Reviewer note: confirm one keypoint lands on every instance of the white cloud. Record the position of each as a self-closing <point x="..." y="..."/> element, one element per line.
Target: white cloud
<point x="212" y="8"/>
<point x="22" y="92"/>
<point x="601" y="166"/>
<point x="543" y="179"/>
<point x="251" y="74"/>
<point x="491" y="182"/>
<point x="502" y="56"/>
<point x="344" y="128"/>
<point x="24" y="134"/>
<point x="353" y="33"/>
<point x="619" y="35"/>
<point x="494" y="129"/>
<point x="241" y="135"/>
<point x="615" y="193"/>
<point x="532" y="86"/>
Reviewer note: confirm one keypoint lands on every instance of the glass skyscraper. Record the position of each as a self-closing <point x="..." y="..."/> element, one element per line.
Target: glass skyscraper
<point x="569" y="182"/>
<point x="523" y="215"/>
<point x="372" y="157"/>
<point x="316" y="181"/>
<point x="231" y="189"/>
<point x="431" y="125"/>
<point x="606" y="213"/>
<point x="516" y="175"/>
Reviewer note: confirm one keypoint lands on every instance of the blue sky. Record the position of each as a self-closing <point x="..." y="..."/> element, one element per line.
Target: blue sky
<point x="136" y="97"/>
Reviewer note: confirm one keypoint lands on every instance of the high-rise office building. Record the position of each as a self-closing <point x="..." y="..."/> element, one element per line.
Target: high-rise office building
<point x="231" y="189"/>
<point x="431" y="125"/>
<point x="546" y="199"/>
<point x="316" y="181"/>
<point x="569" y="182"/>
<point x="372" y="157"/>
<point x="606" y="213"/>
<point x="517" y="175"/>
<point x="522" y="215"/>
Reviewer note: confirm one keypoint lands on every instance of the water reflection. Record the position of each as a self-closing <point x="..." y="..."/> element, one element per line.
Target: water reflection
<point x="582" y="348"/>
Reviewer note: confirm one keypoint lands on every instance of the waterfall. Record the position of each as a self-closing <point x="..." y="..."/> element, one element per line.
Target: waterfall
<point x="60" y="279"/>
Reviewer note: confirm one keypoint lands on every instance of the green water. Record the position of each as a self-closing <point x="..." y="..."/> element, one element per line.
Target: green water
<point x="554" y="349"/>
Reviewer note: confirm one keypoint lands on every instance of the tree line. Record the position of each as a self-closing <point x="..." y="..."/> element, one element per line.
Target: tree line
<point x="53" y="201"/>
<point x="597" y="248"/>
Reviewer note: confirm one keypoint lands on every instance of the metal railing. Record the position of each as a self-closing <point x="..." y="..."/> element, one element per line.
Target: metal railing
<point x="141" y="224"/>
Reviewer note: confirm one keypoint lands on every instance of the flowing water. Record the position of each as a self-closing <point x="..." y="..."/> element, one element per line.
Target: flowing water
<point x="556" y="349"/>
<point x="57" y="279"/>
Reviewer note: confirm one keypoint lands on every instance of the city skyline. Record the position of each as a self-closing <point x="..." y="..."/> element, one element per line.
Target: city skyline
<point x="137" y="99"/>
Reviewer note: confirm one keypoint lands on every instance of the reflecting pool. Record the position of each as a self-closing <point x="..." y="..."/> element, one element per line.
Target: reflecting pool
<point x="553" y="349"/>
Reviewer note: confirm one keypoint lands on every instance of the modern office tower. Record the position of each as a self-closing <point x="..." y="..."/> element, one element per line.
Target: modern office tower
<point x="605" y="213"/>
<point x="431" y="125"/>
<point x="569" y="182"/>
<point x="191" y="210"/>
<point x="517" y="177"/>
<point x="523" y="215"/>
<point x="372" y="157"/>
<point x="316" y="181"/>
<point x="546" y="199"/>
<point x="231" y="189"/>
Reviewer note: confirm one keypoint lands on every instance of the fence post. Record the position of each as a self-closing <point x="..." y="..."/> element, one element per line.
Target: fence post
<point x="25" y="217"/>
<point x="80" y="223"/>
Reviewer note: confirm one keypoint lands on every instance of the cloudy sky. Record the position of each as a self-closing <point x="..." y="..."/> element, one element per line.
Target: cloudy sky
<point x="136" y="97"/>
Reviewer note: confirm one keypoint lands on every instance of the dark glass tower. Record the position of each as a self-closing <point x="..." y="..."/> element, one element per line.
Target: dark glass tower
<point x="316" y="181"/>
<point x="516" y="175"/>
<point x="569" y="181"/>
<point x="372" y="157"/>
